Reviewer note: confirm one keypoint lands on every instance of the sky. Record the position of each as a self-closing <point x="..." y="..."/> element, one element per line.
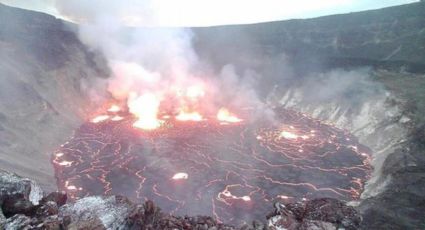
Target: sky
<point x="205" y="12"/>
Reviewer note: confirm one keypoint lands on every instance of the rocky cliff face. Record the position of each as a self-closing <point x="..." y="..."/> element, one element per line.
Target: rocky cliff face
<point x="363" y="72"/>
<point x="386" y="124"/>
<point x="43" y="70"/>
<point x="380" y="121"/>
<point x="392" y="37"/>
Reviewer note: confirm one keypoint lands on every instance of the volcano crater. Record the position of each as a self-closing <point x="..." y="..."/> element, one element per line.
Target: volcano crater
<point x="231" y="171"/>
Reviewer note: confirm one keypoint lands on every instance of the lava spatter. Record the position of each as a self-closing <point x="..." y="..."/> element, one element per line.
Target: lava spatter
<point x="233" y="172"/>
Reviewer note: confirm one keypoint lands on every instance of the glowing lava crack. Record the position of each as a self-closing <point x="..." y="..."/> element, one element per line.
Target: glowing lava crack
<point x="229" y="169"/>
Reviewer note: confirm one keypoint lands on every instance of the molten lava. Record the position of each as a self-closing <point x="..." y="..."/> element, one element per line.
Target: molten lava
<point x="117" y="118"/>
<point x="225" y="116"/>
<point x="189" y="116"/>
<point x="236" y="171"/>
<point x="195" y="92"/>
<point x="288" y="135"/>
<point x="114" y="109"/>
<point x="145" y="107"/>
<point x="100" y="118"/>
<point x="180" y="176"/>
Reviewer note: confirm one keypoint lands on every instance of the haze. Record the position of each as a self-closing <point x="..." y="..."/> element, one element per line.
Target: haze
<point x="207" y="13"/>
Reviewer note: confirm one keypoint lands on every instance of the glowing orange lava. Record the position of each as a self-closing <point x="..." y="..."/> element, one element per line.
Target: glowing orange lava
<point x="246" y="198"/>
<point x="145" y="108"/>
<point x="195" y="92"/>
<point x="225" y="116"/>
<point x="100" y="118"/>
<point x="117" y="118"/>
<point x="65" y="163"/>
<point x="71" y="187"/>
<point x="288" y="135"/>
<point x="227" y="195"/>
<point x="189" y="116"/>
<point x="233" y="168"/>
<point x="180" y="176"/>
<point x="114" y="109"/>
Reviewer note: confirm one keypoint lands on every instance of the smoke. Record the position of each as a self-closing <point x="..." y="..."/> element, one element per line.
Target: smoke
<point x="243" y="94"/>
<point x="236" y="65"/>
<point x="146" y="59"/>
<point x="349" y="87"/>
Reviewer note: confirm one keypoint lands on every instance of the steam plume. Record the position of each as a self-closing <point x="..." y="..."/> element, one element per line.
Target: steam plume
<point x="149" y="59"/>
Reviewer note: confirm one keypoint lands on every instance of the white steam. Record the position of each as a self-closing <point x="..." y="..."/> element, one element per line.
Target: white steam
<point x="153" y="60"/>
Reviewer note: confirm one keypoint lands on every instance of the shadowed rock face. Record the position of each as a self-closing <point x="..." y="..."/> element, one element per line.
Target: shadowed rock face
<point x="42" y="68"/>
<point x="392" y="37"/>
<point x="13" y="185"/>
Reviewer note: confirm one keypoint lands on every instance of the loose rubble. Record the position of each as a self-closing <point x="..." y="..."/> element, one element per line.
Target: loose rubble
<point x="322" y="213"/>
<point x="19" y="210"/>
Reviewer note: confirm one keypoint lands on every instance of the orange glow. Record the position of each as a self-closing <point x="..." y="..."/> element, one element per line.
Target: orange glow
<point x="180" y="176"/>
<point x="305" y="137"/>
<point x="283" y="197"/>
<point x="166" y="117"/>
<point x="71" y="187"/>
<point x="288" y="135"/>
<point x="194" y="92"/>
<point x="117" y="118"/>
<point x="100" y="118"/>
<point x="224" y="115"/>
<point x="114" y="109"/>
<point x="192" y="116"/>
<point x="65" y="163"/>
<point x="145" y="108"/>
<point x="228" y="194"/>
<point x="246" y="198"/>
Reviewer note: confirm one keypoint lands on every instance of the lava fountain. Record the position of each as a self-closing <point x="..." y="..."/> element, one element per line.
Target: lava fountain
<point x="145" y="108"/>
<point x="210" y="164"/>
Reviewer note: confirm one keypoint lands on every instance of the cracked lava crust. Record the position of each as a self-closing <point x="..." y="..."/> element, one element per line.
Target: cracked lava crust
<point x="231" y="171"/>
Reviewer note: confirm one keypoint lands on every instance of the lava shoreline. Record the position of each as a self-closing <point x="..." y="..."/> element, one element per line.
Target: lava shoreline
<point x="25" y="206"/>
<point x="233" y="172"/>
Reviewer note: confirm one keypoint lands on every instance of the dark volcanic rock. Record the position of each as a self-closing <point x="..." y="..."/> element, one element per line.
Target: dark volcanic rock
<point x="323" y="213"/>
<point x="389" y="38"/>
<point x="43" y="67"/>
<point x="110" y="212"/>
<point x="402" y="203"/>
<point x="2" y="219"/>
<point x="117" y="212"/>
<point x="333" y="211"/>
<point x="51" y="223"/>
<point x="17" y="204"/>
<point x="149" y="216"/>
<point x="316" y="225"/>
<point x="88" y="223"/>
<point x="18" y="196"/>
<point x="47" y="209"/>
<point x="58" y="197"/>
<point x="15" y="188"/>
<point x="18" y="221"/>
